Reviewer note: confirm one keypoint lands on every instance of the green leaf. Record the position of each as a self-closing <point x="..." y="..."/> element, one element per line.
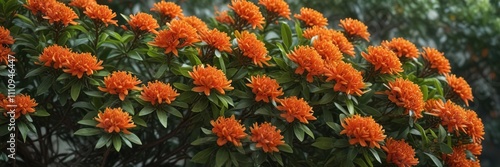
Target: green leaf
<point x="298" y="31"/>
<point x="103" y="140"/>
<point x="442" y="134"/>
<point x="174" y="111"/>
<point x="307" y="130"/>
<point x="83" y="104"/>
<point x="324" y="143"/>
<point x="286" y="35"/>
<point x="299" y="133"/>
<point x="194" y="59"/>
<point x="434" y="159"/>
<point x="182" y="86"/>
<point x="163" y="68"/>
<point x="94" y="93"/>
<point x="36" y="71"/>
<point x="162" y="117"/>
<point x="128" y="107"/>
<point x="327" y="98"/>
<point x="280" y="63"/>
<point x="350" y="106"/>
<point x="202" y="156"/>
<point x="133" y="138"/>
<point x="206" y="131"/>
<point x="63" y="76"/>
<point x="125" y="140"/>
<point x="285" y="148"/>
<point x="425" y="91"/>
<point x="278" y="158"/>
<point x="221" y="63"/>
<point x="40" y="112"/>
<point x="375" y="154"/>
<point x="262" y="111"/>
<point x="200" y="105"/>
<point x="88" y="131"/>
<point x="341" y="143"/>
<point x="445" y="148"/>
<point x="244" y="103"/>
<point x="25" y="19"/>
<point x="117" y="142"/>
<point x="135" y="55"/>
<point x="139" y="121"/>
<point x="341" y="108"/>
<point x="88" y="122"/>
<point x="75" y="90"/>
<point x="45" y="85"/>
<point x="146" y="110"/>
<point x="221" y="157"/>
<point x="23" y="128"/>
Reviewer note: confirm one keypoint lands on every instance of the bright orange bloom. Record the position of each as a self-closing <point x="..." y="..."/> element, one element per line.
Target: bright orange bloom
<point x="168" y="9"/>
<point x="408" y="95"/>
<point x="36" y="6"/>
<point x="383" y="59"/>
<point x="120" y="82"/>
<point x="460" y="87"/>
<point x="279" y="7"/>
<point x="266" y="136"/>
<point x="216" y="39"/>
<point x="307" y="59"/>
<point x="336" y="37"/>
<point x="228" y="130"/>
<point x="436" y="60"/>
<point x="249" y="12"/>
<point x="4" y="54"/>
<point x="355" y="27"/>
<point x="178" y="35"/>
<point x="24" y="104"/>
<point x="82" y="4"/>
<point x="5" y="37"/>
<point x="454" y="117"/>
<point x="294" y="108"/>
<point x="55" y="56"/>
<point x="475" y="128"/>
<point x="400" y="153"/>
<point x="78" y="64"/>
<point x="328" y="51"/>
<point x="114" y="120"/>
<point x="223" y="17"/>
<point x="207" y="78"/>
<point x="459" y="159"/>
<point x="363" y="130"/>
<point x="158" y="92"/>
<point x="311" y="17"/>
<point x="101" y="13"/>
<point x="143" y="22"/>
<point x="196" y="23"/>
<point x="264" y="88"/>
<point x="347" y="78"/>
<point x="402" y="47"/>
<point x="59" y="12"/>
<point x="434" y="106"/>
<point x="474" y="148"/>
<point x="253" y="48"/>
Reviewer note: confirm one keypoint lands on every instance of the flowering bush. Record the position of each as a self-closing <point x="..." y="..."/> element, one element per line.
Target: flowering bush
<point x="253" y="86"/>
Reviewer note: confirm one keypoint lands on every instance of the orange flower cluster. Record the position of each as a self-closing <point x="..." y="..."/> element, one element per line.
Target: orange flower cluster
<point x="408" y="95"/>
<point x="120" y="82"/>
<point x="58" y="12"/>
<point x="459" y="158"/>
<point x="207" y="78"/>
<point x="311" y="17"/>
<point x="101" y="13"/>
<point x="453" y="116"/>
<point x="400" y="153"/>
<point x="402" y="47"/>
<point x="180" y="34"/>
<point x="278" y="7"/>
<point x="217" y="40"/>
<point x="294" y="108"/>
<point x="82" y="4"/>
<point x="196" y="23"/>
<point x="5" y="38"/>
<point x="355" y="28"/>
<point x="475" y="128"/>
<point x="223" y="17"/>
<point x="336" y="37"/>
<point x="114" y="120"/>
<point x="82" y="63"/>
<point x="249" y="12"/>
<point x="264" y="88"/>
<point x="158" y="92"/>
<point x="36" y="6"/>
<point x="460" y="87"/>
<point x="143" y="22"/>
<point x="436" y="60"/>
<point x="347" y="79"/>
<point x="55" y="56"/>
<point x="24" y="105"/>
<point x="308" y="60"/>
<point x="267" y="137"/>
<point x="228" y="130"/>
<point x="169" y="10"/>
<point x="4" y="54"/>
<point x="363" y="130"/>
<point x="383" y="59"/>
<point x="474" y="148"/>
<point x="328" y="51"/>
<point x="253" y="48"/>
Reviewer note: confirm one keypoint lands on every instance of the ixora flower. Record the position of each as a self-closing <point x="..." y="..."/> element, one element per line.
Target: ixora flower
<point x="58" y="12"/>
<point x="460" y="88"/>
<point x="24" y="105"/>
<point x="267" y="137"/>
<point x="363" y="131"/>
<point x="82" y="4"/>
<point x="459" y="158"/>
<point x="311" y="17"/>
<point x="336" y="37"/>
<point x="55" y="56"/>
<point x="120" y="82"/>
<point x="178" y="35"/>
<point x="143" y="22"/>
<point x="114" y="120"/>
<point x="355" y="28"/>
<point x="264" y="88"/>
<point x="217" y="40"/>
<point x="436" y="60"/>
<point x="101" y="13"/>
<point x="308" y="60"/>
<point x="454" y="117"/>
<point x="36" y="6"/>
<point x="228" y="130"/>
<point x="475" y="128"/>
<point x="252" y="48"/>
<point x="5" y="37"/>
<point x="248" y="12"/>
<point x="208" y="78"/>
<point x="400" y="153"/>
<point x="328" y="51"/>
<point x="294" y="108"/>
<point x="223" y="17"/>
<point x="408" y="95"/>
<point x="347" y="79"/>
<point x="158" y="92"/>
<point x="278" y="7"/>
<point x="196" y="23"/>
<point x="4" y="54"/>
<point x="384" y="60"/>
<point x="402" y="47"/>
<point x="82" y="63"/>
<point x="169" y="10"/>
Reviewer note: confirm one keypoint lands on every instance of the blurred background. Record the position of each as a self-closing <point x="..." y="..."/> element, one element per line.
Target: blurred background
<point x="466" y="31"/>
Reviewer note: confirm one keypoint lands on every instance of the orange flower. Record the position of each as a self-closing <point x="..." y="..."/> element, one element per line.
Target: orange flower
<point x="328" y="51"/>
<point x="82" y="4"/>
<point x="223" y="17"/>
<point x="383" y="59"/>
<point x="294" y="108"/>
<point x="460" y="87"/>
<point x="23" y="104"/>
<point x="475" y="128"/>
<point x="4" y="54"/>
<point x="311" y="17"/>
<point x="459" y="159"/>
<point x="434" y="106"/>
<point x="101" y="13"/>
<point x="196" y="23"/>
<point x="55" y="56"/>
<point x="474" y="148"/>
<point x="336" y="37"/>
<point x="143" y="22"/>
<point x="355" y="27"/>
<point x="436" y="60"/>
<point x="402" y="47"/>
<point x="207" y="78"/>
<point x="347" y="79"/>
<point x="120" y="82"/>
<point x="168" y="9"/>
<point x="307" y="59"/>
<point x="5" y="37"/>
<point x="216" y="39"/>
<point x="78" y="64"/>
<point x="454" y="117"/>
<point x="180" y="34"/>
<point x="158" y="92"/>
<point x="36" y="6"/>
<point x="363" y="130"/>
<point x="400" y="153"/>
<point x="266" y="136"/>
<point x="228" y="130"/>
<point x="59" y="12"/>
<point x="114" y="120"/>
<point x="264" y="88"/>
<point x="253" y="48"/>
<point x="249" y="12"/>
<point x="279" y="7"/>
<point x="408" y="95"/>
